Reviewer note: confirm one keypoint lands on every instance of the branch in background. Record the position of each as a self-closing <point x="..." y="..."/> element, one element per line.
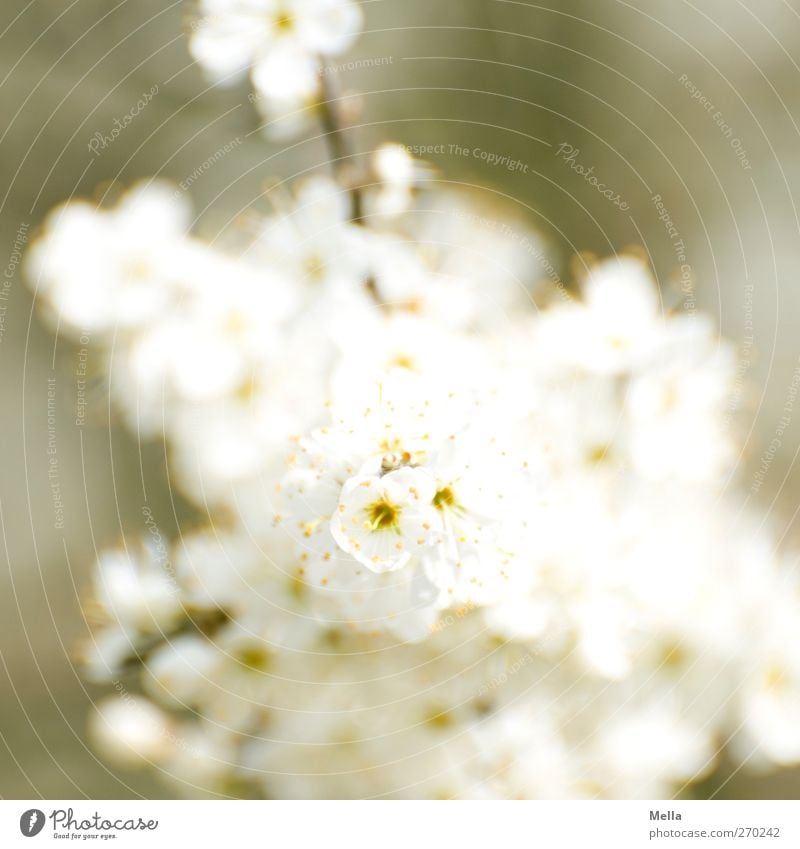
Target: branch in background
<point x="343" y="159"/>
<point x="342" y="152"/>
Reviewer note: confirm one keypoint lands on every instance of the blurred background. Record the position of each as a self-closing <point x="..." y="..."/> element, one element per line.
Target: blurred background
<point x="688" y="111"/>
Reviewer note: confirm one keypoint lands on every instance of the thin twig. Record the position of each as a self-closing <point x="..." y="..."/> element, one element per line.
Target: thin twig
<point x="339" y="143"/>
<point x="343" y="158"/>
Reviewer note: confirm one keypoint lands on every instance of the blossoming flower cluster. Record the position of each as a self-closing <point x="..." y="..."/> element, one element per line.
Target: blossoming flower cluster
<point x="468" y="536"/>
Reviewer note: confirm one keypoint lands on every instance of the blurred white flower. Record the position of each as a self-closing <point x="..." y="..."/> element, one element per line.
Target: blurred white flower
<point x="770" y="691"/>
<point x="281" y="43"/>
<point x="612" y="329"/>
<point x="98" y="269"/>
<point x="314" y="244"/>
<point x="129" y="730"/>
<point x="136" y="589"/>
<point x="638" y="755"/>
<point x="398" y="175"/>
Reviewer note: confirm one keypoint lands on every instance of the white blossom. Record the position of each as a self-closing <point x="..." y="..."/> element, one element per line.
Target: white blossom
<point x="281" y="43"/>
<point x="99" y="269"/>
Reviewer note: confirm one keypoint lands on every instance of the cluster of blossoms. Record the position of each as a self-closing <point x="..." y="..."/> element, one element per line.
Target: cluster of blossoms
<point x="470" y="535"/>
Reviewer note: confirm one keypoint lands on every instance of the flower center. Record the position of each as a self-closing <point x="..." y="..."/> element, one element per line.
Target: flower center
<point x="599" y="454"/>
<point x="403" y="361"/>
<point x="284" y="22"/>
<point x="673" y="656"/>
<point x="235" y="323"/>
<point x="138" y="269"/>
<point x="775" y="678"/>
<point x="445" y="498"/>
<point x="383" y="515"/>
<point x="254" y="657"/>
<point x="314" y="266"/>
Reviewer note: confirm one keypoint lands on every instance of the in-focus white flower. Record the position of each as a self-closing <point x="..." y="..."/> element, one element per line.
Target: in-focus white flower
<point x="384" y="520"/>
<point x="400" y="481"/>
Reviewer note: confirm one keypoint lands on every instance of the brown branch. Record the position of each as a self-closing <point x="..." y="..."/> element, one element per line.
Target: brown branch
<point x="343" y="156"/>
<point x="338" y="140"/>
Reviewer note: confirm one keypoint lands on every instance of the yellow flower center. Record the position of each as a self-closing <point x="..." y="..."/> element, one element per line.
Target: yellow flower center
<point x="314" y="266"/>
<point x="599" y="454"/>
<point x="673" y="656"/>
<point x="284" y="21"/>
<point x="445" y="498"/>
<point x="383" y="515"/>
<point x="254" y="657"/>
<point x="403" y="361"/>
<point x="439" y="719"/>
<point x="776" y="677"/>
